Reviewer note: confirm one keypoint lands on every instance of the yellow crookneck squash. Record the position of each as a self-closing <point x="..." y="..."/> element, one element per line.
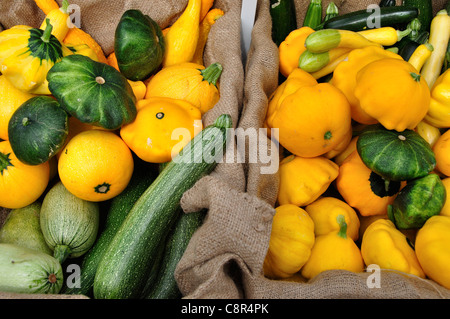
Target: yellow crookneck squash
<point x="432" y="247"/>
<point x="188" y="81"/>
<point x="364" y="190"/>
<point x="334" y="250"/>
<point x="163" y="126"/>
<point x="26" y="55"/>
<point x="344" y="77"/>
<point x="59" y="19"/>
<point x="439" y="112"/>
<point x="303" y="180"/>
<point x="20" y="184"/>
<point x="393" y="92"/>
<point x="384" y="245"/>
<point x="313" y="118"/>
<point x="291" y="240"/>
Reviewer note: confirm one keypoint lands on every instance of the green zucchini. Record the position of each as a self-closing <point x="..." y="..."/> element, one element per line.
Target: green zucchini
<point x="165" y="285"/>
<point x="24" y="270"/>
<point x="357" y="20"/>
<point x="446" y="64"/>
<point x="387" y="3"/>
<point x="284" y="19"/>
<point x="22" y="227"/>
<point x="425" y="8"/>
<point x="313" y="16"/>
<point x="331" y="12"/>
<point x="69" y="224"/>
<point x="131" y="254"/>
<point x="119" y="207"/>
<point x="407" y="46"/>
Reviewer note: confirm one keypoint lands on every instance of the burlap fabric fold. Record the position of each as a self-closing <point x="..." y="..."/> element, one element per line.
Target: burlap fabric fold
<point x="224" y="258"/>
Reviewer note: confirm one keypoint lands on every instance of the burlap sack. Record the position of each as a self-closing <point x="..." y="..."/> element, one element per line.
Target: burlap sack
<point x="224" y="258"/>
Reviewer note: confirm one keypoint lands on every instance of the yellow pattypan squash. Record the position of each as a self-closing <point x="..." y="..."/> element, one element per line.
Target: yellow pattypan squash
<point x="291" y="49"/>
<point x="362" y="189"/>
<point x="432" y="247"/>
<point x="188" y="81"/>
<point x="20" y="184"/>
<point x="441" y="149"/>
<point x="393" y="92"/>
<point x="303" y="180"/>
<point x="335" y="250"/>
<point x="344" y="77"/>
<point x="439" y="112"/>
<point x="163" y="126"/>
<point x="312" y="120"/>
<point x="291" y="240"/>
<point x="26" y="55"/>
<point x="324" y="212"/>
<point x="384" y="245"/>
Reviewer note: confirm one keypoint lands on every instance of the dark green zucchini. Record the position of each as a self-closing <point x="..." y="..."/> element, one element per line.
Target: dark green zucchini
<point x="357" y="20"/>
<point x="284" y="19"/>
<point x="387" y="3"/>
<point x="425" y="8"/>
<point x="331" y="12"/>
<point x="165" y="285"/>
<point x="120" y="206"/>
<point x="126" y="263"/>
<point x="407" y="46"/>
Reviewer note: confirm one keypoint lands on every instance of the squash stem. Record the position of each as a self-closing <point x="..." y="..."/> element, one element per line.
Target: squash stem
<point x="386" y="185"/>
<point x="61" y="252"/>
<point x="5" y="161"/>
<point x="343" y="226"/>
<point x="415" y="76"/>
<point x="401" y="34"/>
<point x="65" y="6"/>
<point x="47" y="32"/>
<point x="212" y="73"/>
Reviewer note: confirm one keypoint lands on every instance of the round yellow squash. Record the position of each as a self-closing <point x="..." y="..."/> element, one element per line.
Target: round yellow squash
<point x="20" y="184"/>
<point x="95" y="165"/>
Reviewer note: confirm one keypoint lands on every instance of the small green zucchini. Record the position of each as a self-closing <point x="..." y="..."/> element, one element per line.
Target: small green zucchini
<point x="357" y="20"/>
<point x="331" y="12"/>
<point x="28" y="271"/>
<point x="425" y="8"/>
<point x="387" y="3"/>
<point x="313" y="16"/>
<point x="132" y="253"/>
<point x="284" y="19"/>
<point x="69" y="224"/>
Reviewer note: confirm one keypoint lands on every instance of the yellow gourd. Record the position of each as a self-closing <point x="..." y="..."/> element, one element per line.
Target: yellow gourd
<point x="362" y="189"/>
<point x="303" y="180"/>
<point x="96" y="165"/>
<point x="291" y="240"/>
<point x="10" y="100"/>
<point x="291" y="49"/>
<point x="313" y="120"/>
<point x="59" y="19"/>
<point x="334" y="250"/>
<point x="384" y="245"/>
<point x="20" y="184"/>
<point x="428" y="132"/>
<point x="324" y="212"/>
<point x="439" y="112"/>
<point x="188" y="81"/>
<point x="83" y="49"/>
<point x="441" y="151"/>
<point x="182" y="37"/>
<point x="432" y="247"/>
<point x="163" y="126"/>
<point x="393" y="92"/>
<point x="76" y="36"/>
<point x="344" y="77"/>
<point x="205" y="27"/>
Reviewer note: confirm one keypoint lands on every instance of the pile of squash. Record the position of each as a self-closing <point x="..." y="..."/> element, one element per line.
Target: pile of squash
<point x="364" y="176"/>
<point x="77" y="128"/>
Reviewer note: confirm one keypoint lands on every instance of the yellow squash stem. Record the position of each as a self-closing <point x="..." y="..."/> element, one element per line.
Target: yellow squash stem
<point x="76" y="36"/>
<point x="421" y="55"/>
<point x="439" y="38"/>
<point x="205" y="27"/>
<point x="182" y="37"/>
<point x="59" y="20"/>
<point x="47" y="5"/>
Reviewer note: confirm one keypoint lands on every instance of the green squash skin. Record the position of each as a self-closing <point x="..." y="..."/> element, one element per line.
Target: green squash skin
<point x="69" y="224"/>
<point x="38" y="130"/>
<point x="133" y="250"/>
<point x="27" y="271"/>
<point x="93" y="92"/>
<point x="50" y="51"/>
<point x="396" y="156"/>
<point x="22" y="228"/>
<point x="417" y="201"/>
<point x="120" y="206"/>
<point x="139" y="45"/>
